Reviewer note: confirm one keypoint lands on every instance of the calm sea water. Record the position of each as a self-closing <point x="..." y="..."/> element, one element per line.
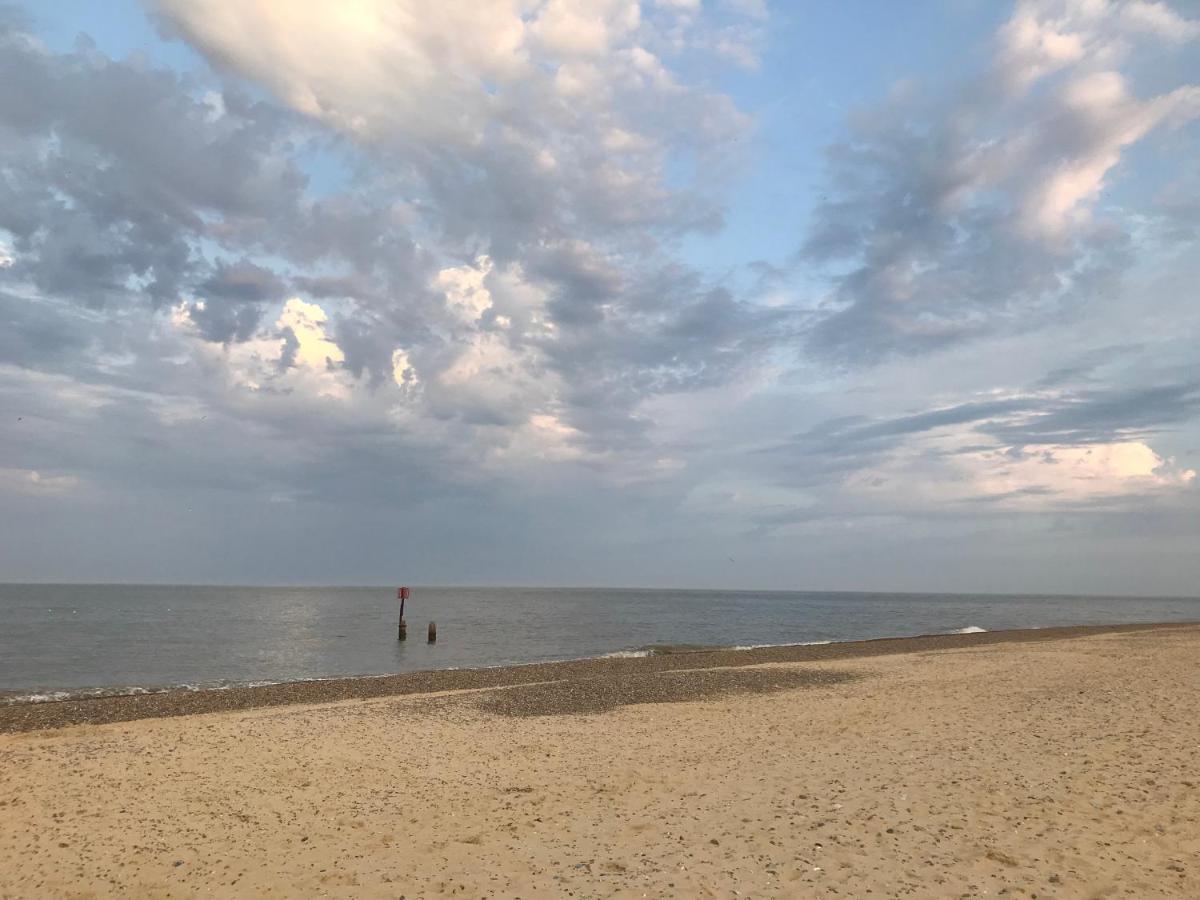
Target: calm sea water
<point x="65" y="638"/>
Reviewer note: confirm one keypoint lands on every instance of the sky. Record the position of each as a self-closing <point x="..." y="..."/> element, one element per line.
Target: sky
<point x="859" y="296"/>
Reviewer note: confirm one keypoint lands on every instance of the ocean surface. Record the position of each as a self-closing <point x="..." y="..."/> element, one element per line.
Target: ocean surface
<point x="57" y="640"/>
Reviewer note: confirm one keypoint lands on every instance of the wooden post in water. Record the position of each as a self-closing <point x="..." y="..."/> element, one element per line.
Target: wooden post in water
<point x="433" y="632"/>
<point x="402" y="595"/>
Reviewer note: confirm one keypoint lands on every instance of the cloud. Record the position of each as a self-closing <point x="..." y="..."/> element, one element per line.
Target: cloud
<point x="232" y="298"/>
<point x="949" y="219"/>
<point x="109" y="172"/>
<point x="535" y="145"/>
<point x="1048" y="450"/>
<point x="501" y="116"/>
<point x="386" y="281"/>
<point x="1065" y="417"/>
<point x="938" y="471"/>
<point x="493" y="275"/>
<point x="1104" y="416"/>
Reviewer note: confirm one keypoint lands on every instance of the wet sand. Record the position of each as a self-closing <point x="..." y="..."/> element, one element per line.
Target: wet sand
<point x="1056" y="763"/>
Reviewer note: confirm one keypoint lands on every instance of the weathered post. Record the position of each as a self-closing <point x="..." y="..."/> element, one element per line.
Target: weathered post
<point x="402" y="595"/>
<point x="433" y="632"/>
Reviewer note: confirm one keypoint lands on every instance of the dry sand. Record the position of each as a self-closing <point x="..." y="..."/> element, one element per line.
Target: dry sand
<point x="1051" y="768"/>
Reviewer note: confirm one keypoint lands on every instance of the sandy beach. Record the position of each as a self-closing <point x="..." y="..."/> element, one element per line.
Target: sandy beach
<point x="1053" y="764"/>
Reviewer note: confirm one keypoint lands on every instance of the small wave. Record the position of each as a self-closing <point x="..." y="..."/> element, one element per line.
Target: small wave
<point x="970" y="629"/>
<point x="85" y="694"/>
<point x="135" y="690"/>
<point x="769" y="646"/>
<point x="626" y="654"/>
<point x="47" y="697"/>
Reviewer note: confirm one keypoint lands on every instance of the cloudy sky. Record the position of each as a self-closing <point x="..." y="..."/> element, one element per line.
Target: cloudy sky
<point x="735" y="293"/>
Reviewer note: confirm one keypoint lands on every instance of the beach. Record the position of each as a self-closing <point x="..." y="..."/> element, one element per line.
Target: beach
<point x="1052" y="763"/>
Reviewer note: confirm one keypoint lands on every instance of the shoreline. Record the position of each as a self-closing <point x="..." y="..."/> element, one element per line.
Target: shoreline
<point x="1036" y="764"/>
<point x="37" y="715"/>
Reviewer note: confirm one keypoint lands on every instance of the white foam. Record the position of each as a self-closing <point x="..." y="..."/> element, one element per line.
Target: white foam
<point x="626" y="654"/>
<point x="970" y="629"/>
<point x="767" y="646"/>
<point x="48" y="697"/>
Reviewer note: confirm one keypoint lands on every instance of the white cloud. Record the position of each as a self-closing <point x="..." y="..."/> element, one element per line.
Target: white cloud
<point x="403" y="372"/>
<point x="952" y="217"/>
<point x="583" y="28"/>
<point x="1075" y="473"/>
<point x="465" y="290"/>
<point x="1044" y="36"/>
<point x="1096" y="105"/>
<point x="304" y="359"/>
<point x="1158" y="19"/>
<point x="1059" y="161"/>
<point x="946" y="465"/>
<point x="515" y="124"/>
<point x="308" y="322"/>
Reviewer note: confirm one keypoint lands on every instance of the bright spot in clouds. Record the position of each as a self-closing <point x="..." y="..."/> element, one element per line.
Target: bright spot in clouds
<point x="1077" y="473"/>
<point x="307" y="321"/>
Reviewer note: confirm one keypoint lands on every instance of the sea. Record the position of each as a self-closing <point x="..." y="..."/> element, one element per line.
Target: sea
<point x="58" y="641"/>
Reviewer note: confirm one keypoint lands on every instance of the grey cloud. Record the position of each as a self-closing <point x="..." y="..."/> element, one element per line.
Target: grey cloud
<point x="232" y="295"/>
<point x="946" y="219"/>
<point x="222" y="322"/>
<point x="579" y="279"/>
<point x="1021" y="423"/>
<point x="1032" y="491"/>
<point x="1101" y="416"/>
<point x="666" y="331"/>
<point x="108" y="169"/>
<point x="858" y="431"/>
<point x="1086" y="367"/>
<point x="525" y="175"/>
<point x="113" y="172"/>
<point x="291" y="344"/>
<point x="32" y="333"/>
<point x="241" y="282"/>
<point x="917" y="274"/>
